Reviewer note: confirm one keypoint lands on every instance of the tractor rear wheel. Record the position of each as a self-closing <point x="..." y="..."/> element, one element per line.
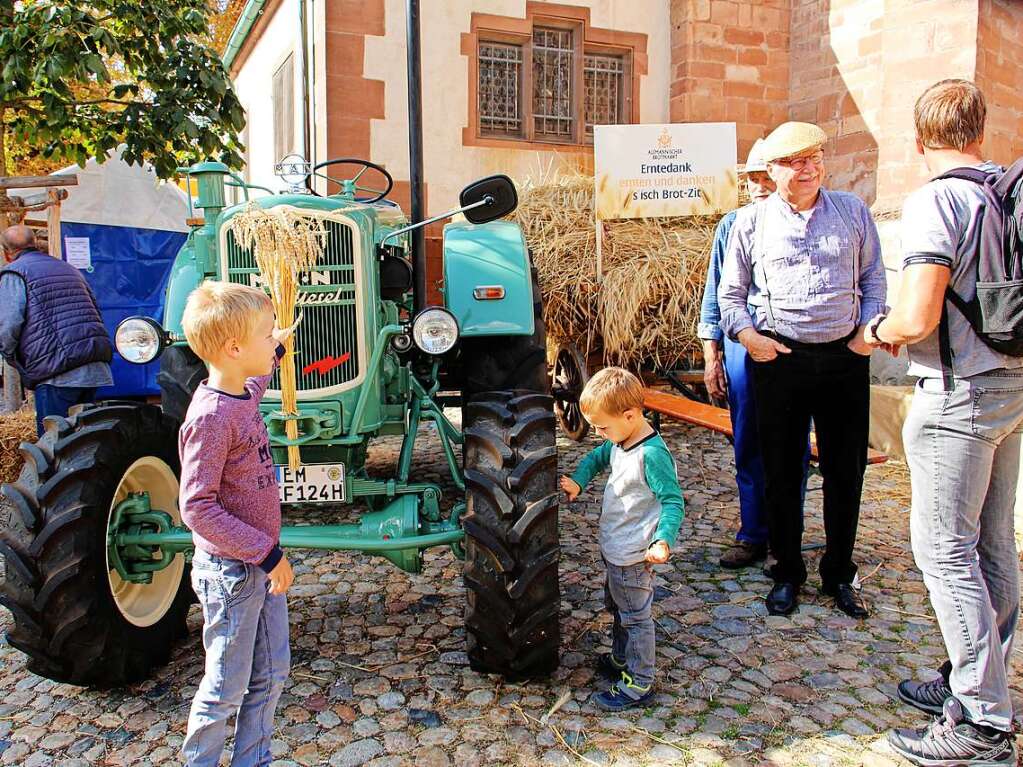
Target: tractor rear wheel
<point x="75" y="618"/>
<point x="511" y="527"/>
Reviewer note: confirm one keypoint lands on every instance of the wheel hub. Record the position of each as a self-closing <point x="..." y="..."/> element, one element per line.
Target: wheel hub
<point x="144" y="580"/>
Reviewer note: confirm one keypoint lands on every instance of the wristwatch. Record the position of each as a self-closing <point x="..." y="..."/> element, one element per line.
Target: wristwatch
<point x="872" y="327"/>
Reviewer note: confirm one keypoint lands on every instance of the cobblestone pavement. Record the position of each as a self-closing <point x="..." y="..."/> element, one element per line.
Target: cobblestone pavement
<point x="379" y="673"/>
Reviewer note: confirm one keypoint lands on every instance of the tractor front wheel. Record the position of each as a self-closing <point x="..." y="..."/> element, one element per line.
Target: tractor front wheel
<point x="74" y="616"/>
<point x="511" y="527"/>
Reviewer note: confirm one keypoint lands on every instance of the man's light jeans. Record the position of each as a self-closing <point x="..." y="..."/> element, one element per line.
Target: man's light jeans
<point x="963" y="450"/>
<point x="245" y="633"/>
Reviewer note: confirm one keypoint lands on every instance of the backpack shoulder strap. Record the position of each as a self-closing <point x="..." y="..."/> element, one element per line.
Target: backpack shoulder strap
<point x="1008" y="184"/>
<point x="986" y="181"/>
<point x="976" y="175"/>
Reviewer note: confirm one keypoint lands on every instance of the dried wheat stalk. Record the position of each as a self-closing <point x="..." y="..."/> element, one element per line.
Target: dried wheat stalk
<point x="645" y="307"/>
<point x="283" y="243"/>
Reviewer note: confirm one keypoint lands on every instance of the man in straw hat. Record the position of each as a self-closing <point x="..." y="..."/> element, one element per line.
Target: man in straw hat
<point x="962" y="437"/>
<point x="802" y="277"/>
<point x="727" y="374"/>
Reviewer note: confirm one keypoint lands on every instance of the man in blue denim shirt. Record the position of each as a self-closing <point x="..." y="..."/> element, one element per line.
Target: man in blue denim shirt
<point x="726" y="374"/>
<point x="802" y="278"/>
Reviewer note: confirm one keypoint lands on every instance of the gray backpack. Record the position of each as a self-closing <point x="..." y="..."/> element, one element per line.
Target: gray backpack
<point x="996" y="312"/>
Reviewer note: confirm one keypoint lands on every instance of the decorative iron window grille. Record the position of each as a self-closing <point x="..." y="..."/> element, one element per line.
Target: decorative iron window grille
<point x="603" y="84"/>
<point x="550" y="85"/>
<point x="553" y="56"/>
<point x="500" y="89"/>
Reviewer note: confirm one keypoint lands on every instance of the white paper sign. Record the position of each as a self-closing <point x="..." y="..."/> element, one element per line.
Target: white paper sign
<point x="78" y="252"/>
<point x="681" y="169"/>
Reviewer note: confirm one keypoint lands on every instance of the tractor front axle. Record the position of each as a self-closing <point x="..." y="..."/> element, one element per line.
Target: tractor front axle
<point x="141" y="540"/>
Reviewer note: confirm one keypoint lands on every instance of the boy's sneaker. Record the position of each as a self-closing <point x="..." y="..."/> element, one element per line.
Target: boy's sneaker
<point x="950" y="740"/>
<point x="928" y="696"/>
<point x="616" y="699"/>
<point x="608" y="665"/>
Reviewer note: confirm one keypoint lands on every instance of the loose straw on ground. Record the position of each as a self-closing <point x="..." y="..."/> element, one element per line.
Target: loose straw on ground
<point x="283" y="243"/>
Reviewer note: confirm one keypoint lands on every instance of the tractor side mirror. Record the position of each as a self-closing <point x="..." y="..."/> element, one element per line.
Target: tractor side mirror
<point x="485" y="200"/>
<point x="490" y="198"/>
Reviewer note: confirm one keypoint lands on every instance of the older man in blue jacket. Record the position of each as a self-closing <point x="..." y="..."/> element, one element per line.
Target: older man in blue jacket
<point x="50" y="327"/>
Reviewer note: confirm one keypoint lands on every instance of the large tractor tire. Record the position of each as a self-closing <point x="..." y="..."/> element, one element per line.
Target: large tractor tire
<point x="511" y="526"/>
<point x="181" y="372"/>
<point x="75" y="618"/>
<point x="498" y="363"/>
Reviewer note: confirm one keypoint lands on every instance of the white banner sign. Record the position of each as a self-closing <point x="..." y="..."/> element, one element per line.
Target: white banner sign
<point x="78" y="252"/>
<point x="645" y="171"/>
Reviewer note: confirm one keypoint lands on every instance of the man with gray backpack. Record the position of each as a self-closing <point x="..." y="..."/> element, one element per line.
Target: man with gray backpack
<point x="960" y="311"/>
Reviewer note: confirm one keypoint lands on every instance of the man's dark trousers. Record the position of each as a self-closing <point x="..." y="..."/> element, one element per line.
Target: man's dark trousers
<point x="829" y="383"/>
<point x="57" y="400"/>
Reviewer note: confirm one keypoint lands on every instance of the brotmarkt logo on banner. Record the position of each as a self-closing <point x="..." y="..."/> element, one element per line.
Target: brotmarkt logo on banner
<point x="645" y="171"/>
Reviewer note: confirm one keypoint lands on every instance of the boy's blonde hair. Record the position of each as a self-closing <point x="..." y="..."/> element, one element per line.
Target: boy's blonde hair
<point x="950" y="115"/>
<point x="612" y="391"/>
<point x="218" y="311"/>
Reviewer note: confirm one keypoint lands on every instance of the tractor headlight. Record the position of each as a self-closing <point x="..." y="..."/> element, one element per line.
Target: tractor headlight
<point x="140" y="340"/>
<point x="435" y="330"/>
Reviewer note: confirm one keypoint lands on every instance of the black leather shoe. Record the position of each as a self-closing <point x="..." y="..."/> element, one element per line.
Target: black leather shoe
<point x="783" y="599"/>
<point x="848" y="600"/>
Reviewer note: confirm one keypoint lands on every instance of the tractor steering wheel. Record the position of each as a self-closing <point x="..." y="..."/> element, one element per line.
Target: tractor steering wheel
<point x="378" y="194"/>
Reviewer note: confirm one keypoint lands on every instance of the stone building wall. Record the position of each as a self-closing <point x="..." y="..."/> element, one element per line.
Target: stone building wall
<point x="855" y="67"/>
<point x="1000" y="74"/>
<point x="730" y="62"/>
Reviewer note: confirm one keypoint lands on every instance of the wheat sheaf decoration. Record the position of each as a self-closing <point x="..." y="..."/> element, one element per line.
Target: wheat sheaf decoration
<point x="283" y="243"/>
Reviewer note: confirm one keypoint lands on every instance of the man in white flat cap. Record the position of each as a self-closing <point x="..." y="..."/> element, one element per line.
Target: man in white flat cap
<point x="802" y="278"/>
<point x="727" y="374"/>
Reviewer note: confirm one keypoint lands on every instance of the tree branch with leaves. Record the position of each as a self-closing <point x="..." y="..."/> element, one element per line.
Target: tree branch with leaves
<point x="78" y="79"/>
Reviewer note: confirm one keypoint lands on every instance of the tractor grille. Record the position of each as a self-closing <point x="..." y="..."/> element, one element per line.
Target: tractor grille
<point x="328" y="300"/>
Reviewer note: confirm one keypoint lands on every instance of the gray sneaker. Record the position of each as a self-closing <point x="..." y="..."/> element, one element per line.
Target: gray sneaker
<point x="928" y="696"/>
<point x="951" y="741"/>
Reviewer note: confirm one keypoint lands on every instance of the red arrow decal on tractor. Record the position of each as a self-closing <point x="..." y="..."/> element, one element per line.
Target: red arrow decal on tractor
<point x="325" y="365"/>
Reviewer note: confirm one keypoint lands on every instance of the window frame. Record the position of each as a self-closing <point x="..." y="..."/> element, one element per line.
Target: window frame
<point x="488" y="28"/>
<point x="285" y="111"/>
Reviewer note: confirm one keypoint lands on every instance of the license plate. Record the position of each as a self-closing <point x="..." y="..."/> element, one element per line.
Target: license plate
<point x="313" y="483"/>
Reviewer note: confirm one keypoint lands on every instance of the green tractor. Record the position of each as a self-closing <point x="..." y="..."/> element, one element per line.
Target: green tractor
<point x="96" y="556"/>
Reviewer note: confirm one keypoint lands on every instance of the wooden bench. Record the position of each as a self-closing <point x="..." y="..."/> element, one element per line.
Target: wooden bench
<point x="715" y="418"/>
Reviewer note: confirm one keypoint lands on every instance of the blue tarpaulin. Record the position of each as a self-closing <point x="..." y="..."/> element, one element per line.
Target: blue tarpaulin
<point x="129" y="274"/>
<point x="123" y="228"/>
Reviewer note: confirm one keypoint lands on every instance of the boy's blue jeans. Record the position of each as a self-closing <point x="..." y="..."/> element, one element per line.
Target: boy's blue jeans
<point x="629" y="596"/>
<point x="245" y="634"/>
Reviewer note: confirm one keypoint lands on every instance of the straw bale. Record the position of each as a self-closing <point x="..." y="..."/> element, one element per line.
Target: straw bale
<point x="15" y="428"/>
<point x="645" y="310"/>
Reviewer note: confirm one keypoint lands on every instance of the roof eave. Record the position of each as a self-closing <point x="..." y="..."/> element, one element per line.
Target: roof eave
<point x="241" y="31"/>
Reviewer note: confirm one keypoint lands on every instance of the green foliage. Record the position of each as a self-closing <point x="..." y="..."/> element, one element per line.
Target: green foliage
<point x="76" y="80"/>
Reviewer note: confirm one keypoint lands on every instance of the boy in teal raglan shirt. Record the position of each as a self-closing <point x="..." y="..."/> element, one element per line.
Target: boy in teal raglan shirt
<point x="639" y="519"/>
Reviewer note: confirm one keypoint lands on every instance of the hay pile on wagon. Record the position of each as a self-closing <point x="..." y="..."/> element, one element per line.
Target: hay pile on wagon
<point x="643" y="312"/>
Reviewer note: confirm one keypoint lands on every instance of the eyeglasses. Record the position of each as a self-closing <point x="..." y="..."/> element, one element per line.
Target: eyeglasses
<point x="798" y="163"/>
